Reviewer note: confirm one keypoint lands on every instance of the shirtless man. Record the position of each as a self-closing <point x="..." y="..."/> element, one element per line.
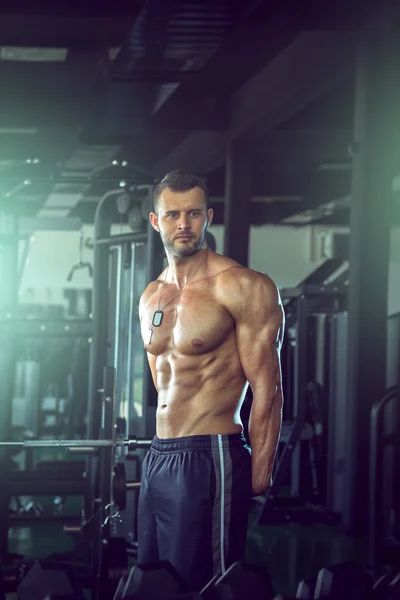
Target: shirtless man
<point x="209" y="326"/>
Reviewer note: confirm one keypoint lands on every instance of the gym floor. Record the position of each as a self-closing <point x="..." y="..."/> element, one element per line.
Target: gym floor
<point x="290" y="552"/>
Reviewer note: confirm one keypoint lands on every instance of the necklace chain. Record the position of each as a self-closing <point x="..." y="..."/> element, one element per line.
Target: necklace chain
<point x="179" y="291"/>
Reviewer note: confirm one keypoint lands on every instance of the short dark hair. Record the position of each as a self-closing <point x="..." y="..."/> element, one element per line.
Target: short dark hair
<point x="179" y="181"/>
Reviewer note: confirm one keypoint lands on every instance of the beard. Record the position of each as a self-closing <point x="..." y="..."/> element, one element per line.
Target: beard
<point x="182" y="250"/>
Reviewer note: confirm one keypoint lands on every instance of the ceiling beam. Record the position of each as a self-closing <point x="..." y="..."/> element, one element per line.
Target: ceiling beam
<point x="314" y="63"/>
<point x="312" y="146"/>
<point x="309" y="66"/>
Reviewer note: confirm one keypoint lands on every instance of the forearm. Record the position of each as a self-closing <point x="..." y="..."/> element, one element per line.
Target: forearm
<point x="264" y="430"/>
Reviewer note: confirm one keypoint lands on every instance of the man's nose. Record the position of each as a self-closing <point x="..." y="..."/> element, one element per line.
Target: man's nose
<point x="184" y="222"/>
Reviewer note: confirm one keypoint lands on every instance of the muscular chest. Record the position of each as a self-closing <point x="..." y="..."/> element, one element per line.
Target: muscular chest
<point x="192" y="324"/>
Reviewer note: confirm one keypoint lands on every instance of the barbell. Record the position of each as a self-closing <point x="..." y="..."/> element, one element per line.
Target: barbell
<point x="84" y="445"/>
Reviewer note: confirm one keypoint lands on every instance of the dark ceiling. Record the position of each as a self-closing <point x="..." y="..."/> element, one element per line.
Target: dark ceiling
<point x="155" y="85"/>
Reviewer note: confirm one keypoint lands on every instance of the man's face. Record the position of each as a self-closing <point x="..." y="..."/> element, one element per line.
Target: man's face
<point x="182" y="221"/>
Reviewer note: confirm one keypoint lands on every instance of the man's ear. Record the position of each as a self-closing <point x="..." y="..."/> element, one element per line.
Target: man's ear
<point x="153" y="217"/>
<point x="210" y="215"/>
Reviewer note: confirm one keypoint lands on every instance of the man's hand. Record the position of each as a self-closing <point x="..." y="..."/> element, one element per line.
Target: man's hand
<point x="260" y="488"/>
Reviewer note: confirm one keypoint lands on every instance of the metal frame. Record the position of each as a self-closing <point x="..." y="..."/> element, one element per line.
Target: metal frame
<point x="105" y="486"/>
<point x="117" y="240"/>
<point x="98" y="358"/>
<point x="275" y="508"/>
<point x="103" y="241"/>
<point x="377" y="556"/>
<point x="338" y="428"/>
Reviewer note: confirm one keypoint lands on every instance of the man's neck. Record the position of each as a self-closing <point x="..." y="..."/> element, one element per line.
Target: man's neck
<point x="180" y="269"/>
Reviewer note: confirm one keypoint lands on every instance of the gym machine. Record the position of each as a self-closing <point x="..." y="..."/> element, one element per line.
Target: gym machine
<point x="311" y="459"/>
<point x="123" y="265"/>
<point x="311" y="362"/>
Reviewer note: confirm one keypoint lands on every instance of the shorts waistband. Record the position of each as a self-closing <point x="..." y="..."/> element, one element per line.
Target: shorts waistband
<point x="199" y="442"/>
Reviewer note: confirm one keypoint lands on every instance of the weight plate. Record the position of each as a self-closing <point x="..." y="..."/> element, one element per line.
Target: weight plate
<point x="135" y="219"/>
<point x="123" y="203"/>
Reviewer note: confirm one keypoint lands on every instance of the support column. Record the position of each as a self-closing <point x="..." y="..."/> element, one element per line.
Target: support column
<point x="238" y="194"/>
<point x="377" y="115"/>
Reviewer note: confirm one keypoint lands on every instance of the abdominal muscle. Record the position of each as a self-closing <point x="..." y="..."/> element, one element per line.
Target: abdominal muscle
<point x="198" y="395"/>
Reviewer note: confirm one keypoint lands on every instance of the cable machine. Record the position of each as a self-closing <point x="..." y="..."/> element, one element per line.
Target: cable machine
<point x="123" y="265"/>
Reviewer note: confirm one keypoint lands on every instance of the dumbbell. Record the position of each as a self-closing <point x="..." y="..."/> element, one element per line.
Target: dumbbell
<point x="154" y="580"/>
<point x="241" y="580"/>
<point x="333" y="582"/>
<point x="306" y="589"/>
<point x="160" y="580"/>
<point x="394" y="588"/>
<point x="380" y="590"/>
<point x="343" y="581"/>
<point x="387" y="587"/>
<point x="50" y="579"/>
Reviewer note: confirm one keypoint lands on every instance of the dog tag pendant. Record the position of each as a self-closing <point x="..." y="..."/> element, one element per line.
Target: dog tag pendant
<point x="157" y="318"/>
<point x="150" y="335"/>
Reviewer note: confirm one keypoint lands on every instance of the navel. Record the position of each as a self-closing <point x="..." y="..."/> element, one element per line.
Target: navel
<point x="196" y="343"/>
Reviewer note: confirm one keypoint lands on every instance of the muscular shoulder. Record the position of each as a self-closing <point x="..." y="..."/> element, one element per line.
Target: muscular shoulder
<point x="242" y="290"/>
